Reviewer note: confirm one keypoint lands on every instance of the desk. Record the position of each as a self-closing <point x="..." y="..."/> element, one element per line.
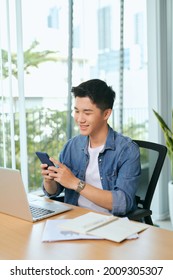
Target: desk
<point x="21" y="240"/>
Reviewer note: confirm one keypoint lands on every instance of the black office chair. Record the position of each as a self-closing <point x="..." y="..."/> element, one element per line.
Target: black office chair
<point x="152" y="159"/>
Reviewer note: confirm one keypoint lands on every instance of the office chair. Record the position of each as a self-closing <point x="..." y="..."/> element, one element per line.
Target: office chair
<point x="152" y="159"/>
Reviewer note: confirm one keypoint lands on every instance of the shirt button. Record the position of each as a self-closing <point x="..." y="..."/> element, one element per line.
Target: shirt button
<point x="101" y="178"/>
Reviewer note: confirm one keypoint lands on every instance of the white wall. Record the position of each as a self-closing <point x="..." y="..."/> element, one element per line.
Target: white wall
<point x="160" y="88"/>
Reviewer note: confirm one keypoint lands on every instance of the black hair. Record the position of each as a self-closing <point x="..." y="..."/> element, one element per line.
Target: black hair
<point x="98" y="91"/>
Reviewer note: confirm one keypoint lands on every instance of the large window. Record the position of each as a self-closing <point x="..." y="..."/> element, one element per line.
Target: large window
<point x="47" y="46"/>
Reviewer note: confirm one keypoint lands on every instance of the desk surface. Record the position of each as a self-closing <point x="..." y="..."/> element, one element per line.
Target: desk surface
<point x="21" y="240"/>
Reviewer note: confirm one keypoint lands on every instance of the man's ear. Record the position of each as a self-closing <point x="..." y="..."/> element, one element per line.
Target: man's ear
<point x="107" y="113"/>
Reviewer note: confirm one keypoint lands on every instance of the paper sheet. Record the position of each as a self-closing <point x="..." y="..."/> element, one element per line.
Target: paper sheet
<point x="53" y="232"/>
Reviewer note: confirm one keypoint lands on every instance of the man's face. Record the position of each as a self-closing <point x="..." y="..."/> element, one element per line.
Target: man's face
<point x="88" y="116"/>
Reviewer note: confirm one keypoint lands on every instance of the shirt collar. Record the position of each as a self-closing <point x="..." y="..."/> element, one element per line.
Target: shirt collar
<point x="110" y="141"/>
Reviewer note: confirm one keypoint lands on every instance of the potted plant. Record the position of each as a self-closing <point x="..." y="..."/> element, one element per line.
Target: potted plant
<point x="168" y="135"/>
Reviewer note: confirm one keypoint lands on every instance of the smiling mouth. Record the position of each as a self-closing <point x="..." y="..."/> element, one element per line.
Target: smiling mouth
<point x="83" y="127"/>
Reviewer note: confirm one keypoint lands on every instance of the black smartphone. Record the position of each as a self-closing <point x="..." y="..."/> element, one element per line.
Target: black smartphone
<point x="44" y="158"/>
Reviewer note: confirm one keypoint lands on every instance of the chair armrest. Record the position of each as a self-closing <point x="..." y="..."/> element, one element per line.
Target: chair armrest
<point x="139" y="214"/>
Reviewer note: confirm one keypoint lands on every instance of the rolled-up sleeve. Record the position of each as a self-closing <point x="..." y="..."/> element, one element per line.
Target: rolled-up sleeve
<point x="59" y="190"/>
<point x="127" y="180"/>
<point x="119" y="203"/>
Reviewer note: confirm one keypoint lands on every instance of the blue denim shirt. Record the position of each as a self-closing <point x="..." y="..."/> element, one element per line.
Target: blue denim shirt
<point x="119" y="167"/>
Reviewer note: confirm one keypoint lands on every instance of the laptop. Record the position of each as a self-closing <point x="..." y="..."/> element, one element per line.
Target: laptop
<point x="14" y="200"/>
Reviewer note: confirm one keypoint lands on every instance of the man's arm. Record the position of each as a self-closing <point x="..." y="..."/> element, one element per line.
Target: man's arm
<point x="66" y="178"/>
<point x="103" y="198"/>
<point x="49" y="184"/>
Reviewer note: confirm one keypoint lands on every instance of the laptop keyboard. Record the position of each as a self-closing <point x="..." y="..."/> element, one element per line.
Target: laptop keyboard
<point x="39" y="212"/>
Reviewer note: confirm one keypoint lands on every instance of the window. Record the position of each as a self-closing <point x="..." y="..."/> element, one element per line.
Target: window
<point x="34" y="114"/>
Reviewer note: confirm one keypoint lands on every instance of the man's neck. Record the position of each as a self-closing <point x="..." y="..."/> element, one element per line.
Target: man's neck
<point x="98" y="138"/>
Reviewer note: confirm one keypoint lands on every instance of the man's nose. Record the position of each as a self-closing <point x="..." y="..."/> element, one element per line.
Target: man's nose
<point x="80" y="118"/>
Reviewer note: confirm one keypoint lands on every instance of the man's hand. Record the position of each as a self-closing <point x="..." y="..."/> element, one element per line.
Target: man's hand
<point x="49" y="184"/>
<point x="45" y="172"/>
<point x="63" y="175"/>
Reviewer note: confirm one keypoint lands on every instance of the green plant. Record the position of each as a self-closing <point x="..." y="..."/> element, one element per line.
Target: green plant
<point x="32" y="58"/>
<point x="168" y="135"/>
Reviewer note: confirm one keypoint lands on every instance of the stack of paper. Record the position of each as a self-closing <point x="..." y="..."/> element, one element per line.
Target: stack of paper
<point x="93" y="226"/>
<point x="103" y="226"/>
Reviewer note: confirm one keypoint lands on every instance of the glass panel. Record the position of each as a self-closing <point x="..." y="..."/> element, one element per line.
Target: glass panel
<point x="96" y="54"/>
<point x="45" y="41"/>
<point x="135" y="96"/>
<point x="7" y="83"/>
<point x="97" y="27"/>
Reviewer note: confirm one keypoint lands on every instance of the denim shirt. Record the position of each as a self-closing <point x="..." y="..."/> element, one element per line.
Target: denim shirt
<point x="119" y="167"/>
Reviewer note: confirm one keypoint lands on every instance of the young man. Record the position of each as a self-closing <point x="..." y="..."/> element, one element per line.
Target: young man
<point x="99" y="168"/>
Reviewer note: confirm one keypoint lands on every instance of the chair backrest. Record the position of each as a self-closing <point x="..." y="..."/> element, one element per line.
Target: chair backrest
<point x="152" y="159"/>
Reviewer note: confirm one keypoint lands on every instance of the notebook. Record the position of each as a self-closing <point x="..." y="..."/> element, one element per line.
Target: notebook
<point x="14" y="200"/>
<point x="104" y="226"/>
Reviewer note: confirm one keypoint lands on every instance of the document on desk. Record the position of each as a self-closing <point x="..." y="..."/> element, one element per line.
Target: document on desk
<point x="53" y="232"/>
<point x="104" y="226"/>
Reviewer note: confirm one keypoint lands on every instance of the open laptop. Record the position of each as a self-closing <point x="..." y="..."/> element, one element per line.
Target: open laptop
<point x="15" y="202"/>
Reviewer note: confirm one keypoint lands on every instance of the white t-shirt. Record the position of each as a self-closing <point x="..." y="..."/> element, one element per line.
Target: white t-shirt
<point x="92" y="177"/>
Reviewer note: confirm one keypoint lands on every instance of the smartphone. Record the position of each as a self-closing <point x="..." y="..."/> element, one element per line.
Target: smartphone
<point x="44" y="158"/>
